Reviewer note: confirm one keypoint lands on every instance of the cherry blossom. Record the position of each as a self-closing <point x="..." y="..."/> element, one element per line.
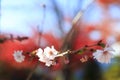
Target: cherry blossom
<point x="18" y="56"/>
<point x="47" y="56"/>
<point x="105" y="55"/>
<point x="50" y="53"/>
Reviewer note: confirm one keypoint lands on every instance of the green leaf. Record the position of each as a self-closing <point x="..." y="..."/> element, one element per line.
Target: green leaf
<point x="80" y="52"/>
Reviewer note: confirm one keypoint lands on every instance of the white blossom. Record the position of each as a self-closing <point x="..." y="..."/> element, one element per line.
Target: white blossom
<point x="18" y="56"/>
<point x="47" y="56"/>
<point x="50" y="53"/>
<point x="105" y="55"/>
<point x="41" y="55"/>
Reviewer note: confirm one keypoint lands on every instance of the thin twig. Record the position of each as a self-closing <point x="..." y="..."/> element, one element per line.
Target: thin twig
<point x="39" y="41"/>
<point x="59" y="15"/>
<point x="42" y="24"/>
<point x="76" y="51"/>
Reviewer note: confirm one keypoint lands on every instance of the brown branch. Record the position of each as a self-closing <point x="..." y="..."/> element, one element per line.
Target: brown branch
<point x="71" y="34"/>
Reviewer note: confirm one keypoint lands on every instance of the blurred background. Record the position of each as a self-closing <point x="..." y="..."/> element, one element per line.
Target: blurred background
<point x="29" y="24"/>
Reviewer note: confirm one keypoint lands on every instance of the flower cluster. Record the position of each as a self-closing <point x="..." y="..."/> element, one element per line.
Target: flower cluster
<point x="47" y="56"/>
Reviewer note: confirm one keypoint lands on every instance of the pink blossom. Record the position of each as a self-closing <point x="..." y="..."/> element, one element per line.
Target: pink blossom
<point x="105" y="55"/>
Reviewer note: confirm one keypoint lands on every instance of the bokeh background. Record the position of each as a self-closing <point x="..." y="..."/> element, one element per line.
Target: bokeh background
<point x="29" y="24"/>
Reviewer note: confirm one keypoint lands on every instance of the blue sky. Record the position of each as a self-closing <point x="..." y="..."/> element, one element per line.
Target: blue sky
<point x="19" y="15"/>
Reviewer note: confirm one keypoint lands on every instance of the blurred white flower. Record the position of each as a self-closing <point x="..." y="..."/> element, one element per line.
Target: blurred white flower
<point x="116" y="46"/>
<point x="47" y="56"/>
<point x="105" y="55"/>
<point x="18" y="56"/>
<point x="41" y="55"/>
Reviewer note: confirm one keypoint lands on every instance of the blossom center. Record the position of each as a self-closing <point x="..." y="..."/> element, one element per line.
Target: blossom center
<point x="18" y="56"/>
<point x="105" y="52"/>
<point x="51" y="53"/>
